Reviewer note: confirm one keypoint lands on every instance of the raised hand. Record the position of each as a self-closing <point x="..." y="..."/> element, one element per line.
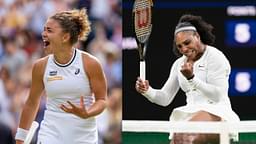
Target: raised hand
<point x="187" y="69"/>
<point x="76" y="110"/>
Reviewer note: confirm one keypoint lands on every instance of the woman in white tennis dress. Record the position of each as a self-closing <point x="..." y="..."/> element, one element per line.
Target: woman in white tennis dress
<point x="74" y="83"/>
<point x="202" y="72"/>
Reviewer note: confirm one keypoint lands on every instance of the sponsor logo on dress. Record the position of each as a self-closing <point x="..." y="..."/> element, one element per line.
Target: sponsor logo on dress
<point x="53" y="78"/>
<point x="77" y="71"/>
<point x="201" y="67"/>
<point x="53" y="73"/>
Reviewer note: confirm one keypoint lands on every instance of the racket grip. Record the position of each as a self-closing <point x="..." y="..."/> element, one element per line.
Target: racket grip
<point x="143" y="70"/>
<point x="31" y="132"/>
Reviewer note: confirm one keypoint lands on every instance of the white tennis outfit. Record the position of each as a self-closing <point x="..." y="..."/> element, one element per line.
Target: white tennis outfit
<point x="207" y="91"/>
<point x="66" y="83"/>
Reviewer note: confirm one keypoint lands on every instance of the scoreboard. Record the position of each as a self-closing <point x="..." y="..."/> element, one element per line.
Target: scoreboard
<point x="240" y="40"/>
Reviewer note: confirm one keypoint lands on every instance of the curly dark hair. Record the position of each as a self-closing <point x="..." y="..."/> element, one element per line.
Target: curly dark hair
<point x="203" y="29"/>
<point x="75" y="22"/>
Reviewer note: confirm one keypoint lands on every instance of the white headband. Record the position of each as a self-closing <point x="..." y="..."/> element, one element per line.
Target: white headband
<point x="186" y="28"/>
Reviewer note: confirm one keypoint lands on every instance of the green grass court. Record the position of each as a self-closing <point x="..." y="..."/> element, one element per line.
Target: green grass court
<point x="162" y="138"/>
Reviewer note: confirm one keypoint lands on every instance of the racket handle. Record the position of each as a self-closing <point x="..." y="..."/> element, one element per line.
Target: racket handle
<point x="31" y="132"/>
<point x="143" y="70"/>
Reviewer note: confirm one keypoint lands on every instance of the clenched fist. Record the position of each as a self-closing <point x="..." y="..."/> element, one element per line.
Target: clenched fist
<point x="187" y="69"/>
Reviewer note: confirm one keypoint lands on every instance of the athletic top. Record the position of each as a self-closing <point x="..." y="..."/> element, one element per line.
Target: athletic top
<point x="207" y="91"/>
<point x="66" y="82"/>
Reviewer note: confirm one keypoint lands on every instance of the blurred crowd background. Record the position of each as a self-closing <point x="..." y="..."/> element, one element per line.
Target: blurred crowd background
<point x="21" y="25"/>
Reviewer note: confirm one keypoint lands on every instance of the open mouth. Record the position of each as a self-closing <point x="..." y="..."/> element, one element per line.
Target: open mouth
<point x="190" y="53"/>
<point x="46" y="43"/>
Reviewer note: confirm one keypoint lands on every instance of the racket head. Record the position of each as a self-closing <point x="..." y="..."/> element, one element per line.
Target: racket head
<point x="142" y="14"/>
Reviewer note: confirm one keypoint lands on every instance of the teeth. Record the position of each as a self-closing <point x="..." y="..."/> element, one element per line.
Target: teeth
<point x="46" y="43"/>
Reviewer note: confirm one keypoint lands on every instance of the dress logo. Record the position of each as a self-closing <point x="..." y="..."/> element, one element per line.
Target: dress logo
<point x="202" y="67"/>
<point x="53" y="76"/>
<point x="77" y="71"/>
<point x="53" y="73"/>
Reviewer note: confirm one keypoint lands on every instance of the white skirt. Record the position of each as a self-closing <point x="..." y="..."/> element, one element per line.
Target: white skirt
<point x="185" y="113"/>
<point x="64" y="128"/>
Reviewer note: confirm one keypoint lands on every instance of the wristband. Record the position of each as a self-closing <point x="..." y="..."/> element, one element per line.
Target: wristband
<point x="21" y="134"/>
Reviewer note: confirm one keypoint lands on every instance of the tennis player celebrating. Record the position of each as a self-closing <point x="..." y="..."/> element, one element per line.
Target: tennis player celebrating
<point x="202" y="72"/>
<point x="74" y="82"/>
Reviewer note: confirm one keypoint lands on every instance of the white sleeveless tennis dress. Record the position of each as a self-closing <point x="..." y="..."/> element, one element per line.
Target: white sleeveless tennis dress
<point x="66" y="82"/>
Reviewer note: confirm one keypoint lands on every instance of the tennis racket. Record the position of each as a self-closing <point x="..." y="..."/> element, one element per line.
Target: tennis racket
<point x="31" y="132"/>
<point x="142" y="14"/>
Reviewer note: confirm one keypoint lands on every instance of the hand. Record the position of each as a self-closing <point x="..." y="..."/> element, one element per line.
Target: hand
<point x="187" y="69"/>
<point x="76" y="110"/>
<point x="141" y="86"/>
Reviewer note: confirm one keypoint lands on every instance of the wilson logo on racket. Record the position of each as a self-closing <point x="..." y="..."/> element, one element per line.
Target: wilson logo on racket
<point x="143" y="17"/>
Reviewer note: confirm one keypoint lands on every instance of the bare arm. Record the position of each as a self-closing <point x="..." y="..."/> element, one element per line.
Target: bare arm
<point x="99" y="89"/>
<point x="98" y="85"/>
<point x="32" y="104"/>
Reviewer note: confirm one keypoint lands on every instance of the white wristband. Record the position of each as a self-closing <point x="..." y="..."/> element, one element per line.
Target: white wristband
<point x="21" y="134"/>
